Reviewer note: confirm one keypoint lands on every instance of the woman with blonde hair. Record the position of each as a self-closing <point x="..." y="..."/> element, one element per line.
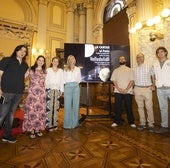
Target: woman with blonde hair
<point x="72" y="78"/>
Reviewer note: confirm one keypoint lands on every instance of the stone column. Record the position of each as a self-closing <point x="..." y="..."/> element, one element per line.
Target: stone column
<point x="89" y="24"/>
<point x="42" y="24"/>
<point x="144" y="9"/>
<point x="98" y="38"/>
<point x="82" y="24"/>
<point x="131" y="12"/>
<point x="70" y="21"/>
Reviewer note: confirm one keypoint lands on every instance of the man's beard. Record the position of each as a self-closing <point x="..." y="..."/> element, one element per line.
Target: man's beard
<point x="122" y="63"/>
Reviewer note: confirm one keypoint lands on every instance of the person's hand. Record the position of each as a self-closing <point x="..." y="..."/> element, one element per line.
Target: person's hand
<point x="152" y="88"/>
<point x="125" y="91"/>
<point x="0" y="92"/>
<point x="61" y="94"/>
<point x="120" y="90"/>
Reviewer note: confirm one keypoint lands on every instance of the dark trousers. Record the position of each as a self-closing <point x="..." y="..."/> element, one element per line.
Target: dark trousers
<point x="7" y="111"/>
<point x="126" y="100"/>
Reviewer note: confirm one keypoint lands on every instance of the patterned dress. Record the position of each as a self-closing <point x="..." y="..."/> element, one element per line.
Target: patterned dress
<point x="35" y="105"/>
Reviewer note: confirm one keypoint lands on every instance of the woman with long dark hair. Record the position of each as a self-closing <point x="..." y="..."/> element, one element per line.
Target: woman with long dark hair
<point x="35" y="105"/>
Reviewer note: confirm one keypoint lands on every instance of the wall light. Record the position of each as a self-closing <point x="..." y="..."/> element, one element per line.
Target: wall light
<point x="138" y="25"/>
<point x="151" y="22"/>
<point x="37" y="51"/>
<point x="155" y="35"/>
<point x="132" y="30"/>
<point x="165" y="12"/>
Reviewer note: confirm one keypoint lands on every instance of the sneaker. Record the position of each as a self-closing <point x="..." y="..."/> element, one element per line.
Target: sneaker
<point x="114" y="125"/>
<point x="141" y="127"/>
<point x="51" y="129"/>
<point x="9" y="139"/>
<point x="162" y="130"/>
<point x="39" y="133"/>
<point x="133" y="125"/>
<point x="32" y="135"/>
<point x="151" y="129"/>
<point x="56" y="128"/>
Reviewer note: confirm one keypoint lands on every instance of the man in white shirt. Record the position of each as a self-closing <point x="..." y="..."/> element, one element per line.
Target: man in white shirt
<point x="162" y="81"/>
<point x="143" y="92"/>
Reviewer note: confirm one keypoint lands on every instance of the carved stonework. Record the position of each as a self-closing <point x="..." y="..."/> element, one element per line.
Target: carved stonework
<point x="12" y="31"/>
<point x="43" y="2"/>
<point x="71" y="5"/>
<point x="89" y="3"/>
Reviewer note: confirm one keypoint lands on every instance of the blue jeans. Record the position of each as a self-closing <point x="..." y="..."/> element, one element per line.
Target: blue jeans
<point x="7" y="111"/>
<point x="163" y="96"/>
<point x="71" y="104"/>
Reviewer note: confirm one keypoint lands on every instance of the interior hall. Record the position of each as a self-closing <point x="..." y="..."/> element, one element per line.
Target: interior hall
<point x="46" y="27"/>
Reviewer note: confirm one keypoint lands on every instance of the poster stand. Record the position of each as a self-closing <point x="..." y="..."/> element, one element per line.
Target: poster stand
<point x="93" y="116"/>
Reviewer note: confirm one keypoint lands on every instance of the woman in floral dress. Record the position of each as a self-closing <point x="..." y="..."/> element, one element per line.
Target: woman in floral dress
<point x="35" y="105"/>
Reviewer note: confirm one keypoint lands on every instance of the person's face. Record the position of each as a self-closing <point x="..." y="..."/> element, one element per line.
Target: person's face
<point x="40" y="61"/>
<point x="72" y="61"/>
<point x="140" y="59"/>
<point x="161" y="54"/>
<point x="55" y="62"/>
<point x="122" y="60"/>
<point x="21" y="53"/>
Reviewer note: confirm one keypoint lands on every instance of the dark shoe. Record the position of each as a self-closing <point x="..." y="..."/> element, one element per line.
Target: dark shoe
<point x="162" y="130"/>
<point x="141" y="127"/>
<point x="151" y="129"/>
<point x="9" y="139"/>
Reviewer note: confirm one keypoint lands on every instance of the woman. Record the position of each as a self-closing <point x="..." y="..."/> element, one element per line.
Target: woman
<point x="72" y="78"/>
<point x="54" y="89"/>
<point x="35" y="106"/>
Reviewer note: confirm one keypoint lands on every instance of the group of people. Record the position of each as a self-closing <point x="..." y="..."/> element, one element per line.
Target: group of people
<point x="46" y="86"/>
<point x="141" y="80"/>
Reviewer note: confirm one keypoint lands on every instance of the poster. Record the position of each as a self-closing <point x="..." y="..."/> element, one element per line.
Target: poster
<point x="96" y="61"/>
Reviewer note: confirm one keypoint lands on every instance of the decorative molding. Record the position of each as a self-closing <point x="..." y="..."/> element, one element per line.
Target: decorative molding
<point x="16" y="31"/>
<point x="71" y="5"/>
<point x="44" y="2"/>
<point x="52" y="24"/>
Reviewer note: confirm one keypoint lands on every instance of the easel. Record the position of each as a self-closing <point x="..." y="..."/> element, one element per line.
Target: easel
<point x="91" y="116"/>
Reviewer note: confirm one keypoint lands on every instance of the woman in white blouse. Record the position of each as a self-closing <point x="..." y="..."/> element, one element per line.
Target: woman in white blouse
<point x="54" y="87"/>
<point x="72" y="78"/>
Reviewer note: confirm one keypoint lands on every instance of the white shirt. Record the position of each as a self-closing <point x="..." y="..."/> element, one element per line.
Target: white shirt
<point x="162" y="75"/>
<point x="72" y="76"/>
<point x="54" y="80"/>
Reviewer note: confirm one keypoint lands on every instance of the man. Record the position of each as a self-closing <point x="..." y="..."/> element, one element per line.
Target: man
<point x="13" y="70"/>
<point x="162" y="81"/>
<point x="123" y="81"/>
<point x="144" y="84"/>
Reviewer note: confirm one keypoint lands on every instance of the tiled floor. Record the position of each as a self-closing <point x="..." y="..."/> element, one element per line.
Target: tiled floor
<point x="93" y="145"/>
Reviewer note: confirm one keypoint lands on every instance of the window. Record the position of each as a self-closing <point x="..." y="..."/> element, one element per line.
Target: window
<point x="113" y="7"/>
